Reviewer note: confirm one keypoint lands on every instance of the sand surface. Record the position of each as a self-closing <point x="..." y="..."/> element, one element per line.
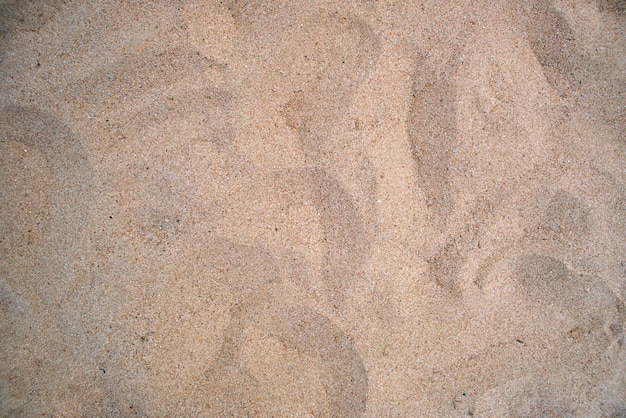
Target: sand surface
<point x="313" y="208"/>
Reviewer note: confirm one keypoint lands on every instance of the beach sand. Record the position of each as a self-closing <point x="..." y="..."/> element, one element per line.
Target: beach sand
<point x="316" y="208"/>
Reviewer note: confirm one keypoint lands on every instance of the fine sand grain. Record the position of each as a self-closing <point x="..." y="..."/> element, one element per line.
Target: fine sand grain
<point x="313" y="208"/>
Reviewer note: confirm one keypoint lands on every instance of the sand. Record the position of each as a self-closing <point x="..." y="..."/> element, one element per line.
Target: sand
<point x="317" y="208"/>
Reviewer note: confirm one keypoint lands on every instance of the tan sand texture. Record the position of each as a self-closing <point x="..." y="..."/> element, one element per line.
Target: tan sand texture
<point x="313" y="208"/>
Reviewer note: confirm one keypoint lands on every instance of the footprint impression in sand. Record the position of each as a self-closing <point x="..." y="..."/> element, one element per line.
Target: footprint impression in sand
<point x="483" y="160"/>
<point x="324" y="80"/>
<point x="46" y="186"/>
